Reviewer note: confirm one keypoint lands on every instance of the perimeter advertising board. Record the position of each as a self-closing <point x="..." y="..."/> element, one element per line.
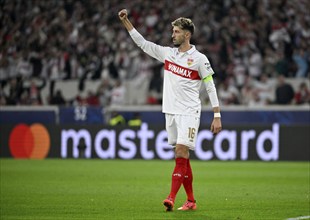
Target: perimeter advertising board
<point x="260" y="142"/>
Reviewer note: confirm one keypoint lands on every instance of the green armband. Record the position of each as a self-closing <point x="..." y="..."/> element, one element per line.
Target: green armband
<point x="208" y="78"/>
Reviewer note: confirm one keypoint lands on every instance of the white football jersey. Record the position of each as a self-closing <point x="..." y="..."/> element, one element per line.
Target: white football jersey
<point x="183" y="75"/>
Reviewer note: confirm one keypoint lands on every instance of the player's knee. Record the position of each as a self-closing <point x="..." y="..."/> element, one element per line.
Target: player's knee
<point x="181" y="151"/>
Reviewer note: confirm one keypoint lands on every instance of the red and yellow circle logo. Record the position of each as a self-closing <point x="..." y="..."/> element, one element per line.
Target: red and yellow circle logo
<point x="29" y="141"/>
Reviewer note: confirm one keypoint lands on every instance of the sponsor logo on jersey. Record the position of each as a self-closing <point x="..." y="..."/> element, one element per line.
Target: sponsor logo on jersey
<point x="181" y="71"/>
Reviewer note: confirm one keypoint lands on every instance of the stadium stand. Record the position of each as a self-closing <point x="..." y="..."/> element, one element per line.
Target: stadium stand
<point x="81" y="49"/>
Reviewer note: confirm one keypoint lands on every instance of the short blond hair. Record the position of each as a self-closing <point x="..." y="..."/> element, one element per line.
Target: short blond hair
<point x="184" y="24"/>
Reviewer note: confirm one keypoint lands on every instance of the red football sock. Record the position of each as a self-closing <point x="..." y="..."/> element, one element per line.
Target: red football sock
<point x="188" y="182"/>
<point x="178" y="176"/>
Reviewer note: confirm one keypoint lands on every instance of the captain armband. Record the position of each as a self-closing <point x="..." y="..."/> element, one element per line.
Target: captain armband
<point x="208" y="78"/>
<point x="211" y="90"/>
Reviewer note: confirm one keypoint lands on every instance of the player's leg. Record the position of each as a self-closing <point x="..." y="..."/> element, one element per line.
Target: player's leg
<point x="180" y="169"/>
<point x="184" y="128"/>
<point x="190" y="203"/>
<point x="192" y="125"/>
<point x="188" y="182"/>
<point x="172" y="139"/>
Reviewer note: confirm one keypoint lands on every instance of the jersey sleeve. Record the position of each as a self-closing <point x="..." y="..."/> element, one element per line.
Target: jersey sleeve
<point x="205" y="68"/>
<point x="156" y="51"/>
<point x="211" y="90"/>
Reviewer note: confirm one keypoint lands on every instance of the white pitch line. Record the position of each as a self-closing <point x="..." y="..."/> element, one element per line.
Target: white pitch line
<point x="299" y="218"/>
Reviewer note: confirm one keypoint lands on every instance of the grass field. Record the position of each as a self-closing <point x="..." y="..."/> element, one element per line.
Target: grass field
<point x="116" y="189"/>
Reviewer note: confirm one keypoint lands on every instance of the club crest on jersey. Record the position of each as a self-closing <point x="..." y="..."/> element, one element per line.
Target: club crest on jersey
<point x="190" y="61"/>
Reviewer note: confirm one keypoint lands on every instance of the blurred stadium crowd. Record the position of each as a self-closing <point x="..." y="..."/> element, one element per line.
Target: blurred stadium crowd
<point x="259" y="50"/>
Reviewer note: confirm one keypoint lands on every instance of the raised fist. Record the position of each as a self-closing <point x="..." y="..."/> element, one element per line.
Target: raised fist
<point x="122" y="14"/>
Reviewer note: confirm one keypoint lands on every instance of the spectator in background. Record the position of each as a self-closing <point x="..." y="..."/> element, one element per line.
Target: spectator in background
<point x="239" y="71"/>
<point x="284" y="92"/>
<point x="135" y="120"/>
<point x="302" y="95"/>
<point x="116" y="119"/>
<point x="4" y="70"/>
<point x="92" y="99"/>
<point x="35" y="92"/>
<point x="79" y="100"/>
<point x="118" y="94"/>
<point x="36" y="62"/>
<point x="58" y="40"/>
<point x="256" y="99"/>
<point x="58" y="99"/>
<point x="24" y="67"/>
<point x="228" y="93"/>
<point x="15" y="91"/>
<point x="34" y="88"/>
<point x="2" y="97"/>
<point x="279" y="34"/>
<point x="255" y="63"/>
<point x="156" y="85"/>
<point x="263" y="88"/>
<point x="270" y="59"/>
<point x="141" y="80"/>
<point x="112" y="68"/>
<point x="282" y="65"/>
<point x="25" y="99"/>
<point x="300" y="58"/>
<point x="247" y="91"/>
<point x="122" y="60"/>
<point x="104" y="92"/>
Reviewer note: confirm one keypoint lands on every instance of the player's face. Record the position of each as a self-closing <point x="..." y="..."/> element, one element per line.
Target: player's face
<point x="178" y="36"/>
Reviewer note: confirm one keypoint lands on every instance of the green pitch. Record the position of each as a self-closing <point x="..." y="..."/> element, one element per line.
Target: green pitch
<point x="115" y="189"/>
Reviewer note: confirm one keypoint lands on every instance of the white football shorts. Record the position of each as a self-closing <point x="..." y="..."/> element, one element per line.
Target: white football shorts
<point x="182" y="129"/>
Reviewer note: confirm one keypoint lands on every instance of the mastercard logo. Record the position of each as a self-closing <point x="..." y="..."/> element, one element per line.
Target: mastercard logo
<point x="29" y="141"/>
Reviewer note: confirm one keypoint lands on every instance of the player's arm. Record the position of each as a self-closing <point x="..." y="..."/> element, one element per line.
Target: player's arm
<point x="216" y="125"/>
<point x="206" y="72"/>
<point x="152" y="49"/>
<point x="123" y="16"/>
